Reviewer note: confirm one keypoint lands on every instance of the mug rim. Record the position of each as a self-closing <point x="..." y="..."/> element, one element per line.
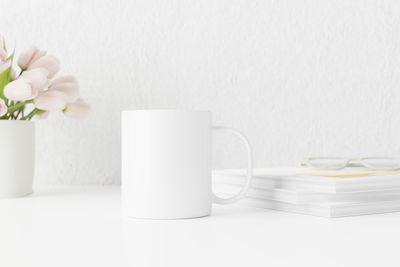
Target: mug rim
<point x="165" y="110"/>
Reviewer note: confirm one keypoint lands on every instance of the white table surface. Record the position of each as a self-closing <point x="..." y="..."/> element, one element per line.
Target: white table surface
<point x="82" y="226"/>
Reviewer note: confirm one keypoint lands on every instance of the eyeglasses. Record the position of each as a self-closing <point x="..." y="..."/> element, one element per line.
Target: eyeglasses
<point x="332" y="163"/>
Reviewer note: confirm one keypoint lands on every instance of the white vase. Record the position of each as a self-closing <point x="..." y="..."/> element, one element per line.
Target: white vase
<point x="17" y="149"/>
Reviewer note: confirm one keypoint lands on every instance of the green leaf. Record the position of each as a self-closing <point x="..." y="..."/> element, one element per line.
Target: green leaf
<point x="13" y="108"/>
<point x="5" y="78"/>
<point x="4" y="44"/>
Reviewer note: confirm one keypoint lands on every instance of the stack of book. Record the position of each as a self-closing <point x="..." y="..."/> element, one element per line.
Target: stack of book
<point x="320" y="193"/>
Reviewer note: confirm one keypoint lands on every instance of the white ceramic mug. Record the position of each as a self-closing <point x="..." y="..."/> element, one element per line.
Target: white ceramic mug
<point x="166" y="164"/>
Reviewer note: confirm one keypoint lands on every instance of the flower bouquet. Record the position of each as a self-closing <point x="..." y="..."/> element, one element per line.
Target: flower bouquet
<point x="29" y="91"/>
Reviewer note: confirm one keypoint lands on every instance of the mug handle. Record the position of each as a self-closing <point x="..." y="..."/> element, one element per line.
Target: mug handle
<point x="249" y="175"/>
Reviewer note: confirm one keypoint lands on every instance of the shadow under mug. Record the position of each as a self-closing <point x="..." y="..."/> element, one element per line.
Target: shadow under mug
<point x="166" y="164"/>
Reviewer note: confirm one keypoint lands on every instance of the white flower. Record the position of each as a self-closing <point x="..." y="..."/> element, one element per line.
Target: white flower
<point x="67" y="85"/>
<point x="3" y="108"/>
<point x="65" y="79"/>
<point x="48" y="62"/>
<point x="38" y="77"/>
<point x="4" y="62"/>
<point x="70" y="91"/>
<point x="4" y="66"/>
<point x="78" y="109"/>
<point x="50" y="101"/>
<point x="13" y="74"/>
<point x="28" y="56"/>
<point x="3" y="55"/>
<point x="20" y="90"/>
<point x="42" y="116"/>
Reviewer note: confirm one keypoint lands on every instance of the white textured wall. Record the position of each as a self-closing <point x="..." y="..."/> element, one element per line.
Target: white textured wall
<point x="299" y="77"/>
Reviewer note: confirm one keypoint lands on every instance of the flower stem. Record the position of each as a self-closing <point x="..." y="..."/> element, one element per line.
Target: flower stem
<point x="19" y="112"/>
<point x="33" y="113"/>
<point x="19" y="105"/>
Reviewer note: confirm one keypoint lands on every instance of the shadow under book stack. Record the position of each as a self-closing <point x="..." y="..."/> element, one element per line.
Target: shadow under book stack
<point x="327" y="194"/>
